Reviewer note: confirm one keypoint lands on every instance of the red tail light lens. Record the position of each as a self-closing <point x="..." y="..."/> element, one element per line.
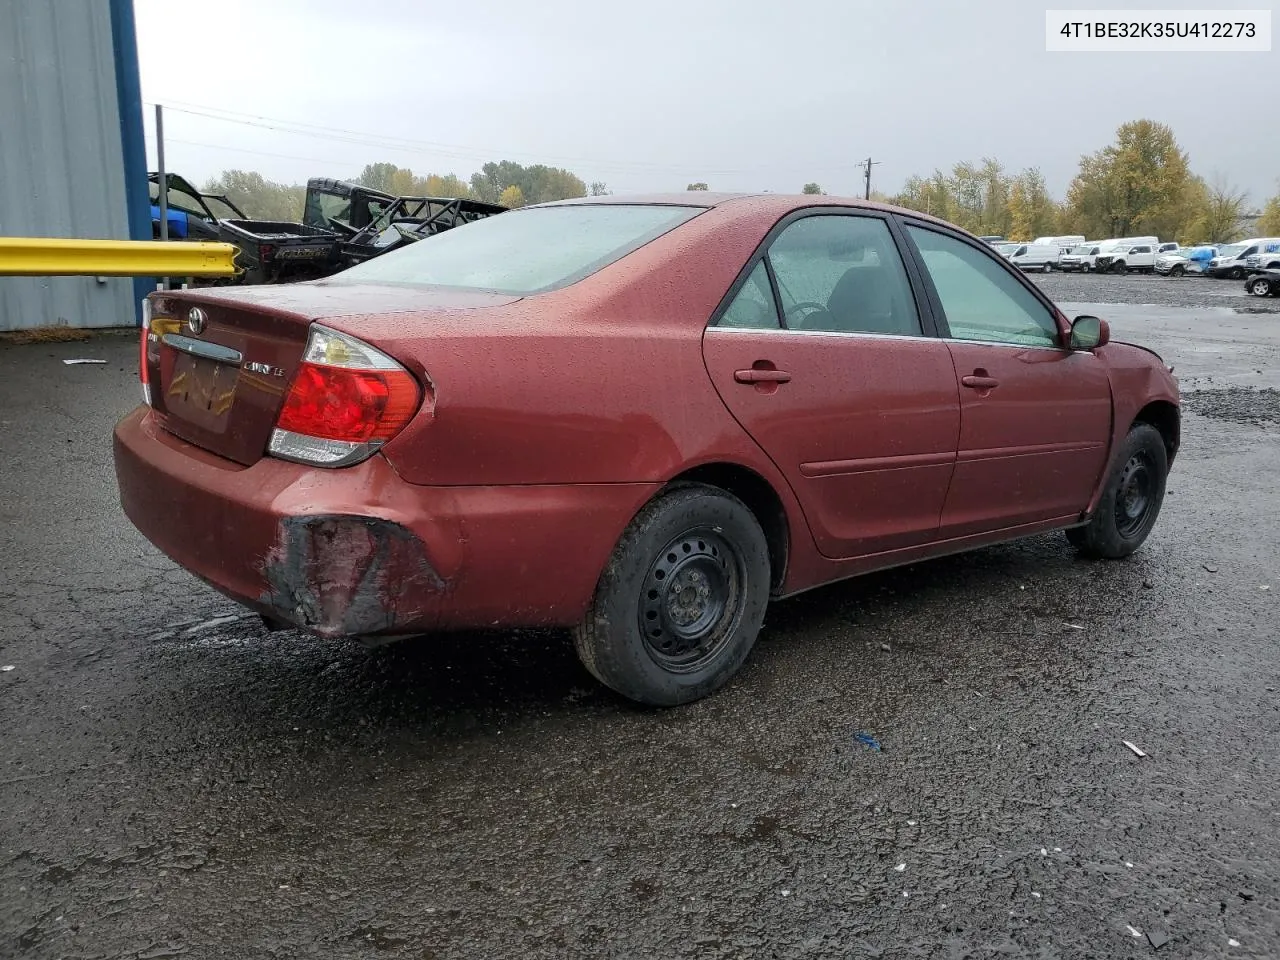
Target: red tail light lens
<point x="333" y="403"/>
<point x="345" y="401"/>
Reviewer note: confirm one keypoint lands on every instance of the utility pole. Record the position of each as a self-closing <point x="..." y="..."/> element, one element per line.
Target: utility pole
<point x="162" y="187"/>
<point x="866" y="167"/>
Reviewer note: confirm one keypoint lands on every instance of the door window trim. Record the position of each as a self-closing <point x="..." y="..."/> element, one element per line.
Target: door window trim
<point x="929" y="326"/>
<point x="935" y="302"/>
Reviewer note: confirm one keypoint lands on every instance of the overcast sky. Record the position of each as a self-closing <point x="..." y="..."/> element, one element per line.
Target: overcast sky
<point x="743" y="94"/>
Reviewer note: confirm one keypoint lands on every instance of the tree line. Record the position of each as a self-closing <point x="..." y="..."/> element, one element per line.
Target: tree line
<point x="1142" y="183"/>
<point x="505" y="182"/>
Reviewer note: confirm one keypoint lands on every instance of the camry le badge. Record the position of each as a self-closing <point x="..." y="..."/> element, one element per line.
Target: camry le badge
<point x="195" y="320"/>
<point x="263" y="368"/>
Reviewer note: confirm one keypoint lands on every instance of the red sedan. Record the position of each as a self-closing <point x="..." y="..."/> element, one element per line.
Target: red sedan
<point x="641" y="418"/>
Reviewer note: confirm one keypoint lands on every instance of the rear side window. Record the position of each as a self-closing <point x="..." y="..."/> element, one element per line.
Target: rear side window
<point x="982" y="302"/>
<point x="843" y="274"/>
<point x="523" y="251"/>
<point x="753" y="308"/>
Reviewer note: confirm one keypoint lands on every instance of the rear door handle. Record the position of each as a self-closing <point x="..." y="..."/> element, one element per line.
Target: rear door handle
<point x="762" y="376"/>
<point x="980" y="383"/>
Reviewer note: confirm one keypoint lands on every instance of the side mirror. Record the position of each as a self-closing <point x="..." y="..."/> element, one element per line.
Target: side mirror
<point x="1088" y="333"/>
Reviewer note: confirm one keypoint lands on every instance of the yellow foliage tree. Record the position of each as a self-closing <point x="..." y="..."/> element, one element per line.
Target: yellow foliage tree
<point x="1269" y="224"/>
<point x="512" y="197"/>
<point x="1142" y="183"/>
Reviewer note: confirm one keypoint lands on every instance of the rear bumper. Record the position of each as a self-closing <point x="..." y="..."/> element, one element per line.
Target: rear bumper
<point x="360" y="552"/>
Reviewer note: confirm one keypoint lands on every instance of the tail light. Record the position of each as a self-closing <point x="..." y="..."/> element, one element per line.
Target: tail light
<point x="346" y="400"/>
<point x="144" y="374"/>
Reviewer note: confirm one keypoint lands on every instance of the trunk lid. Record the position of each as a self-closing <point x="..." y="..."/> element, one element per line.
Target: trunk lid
<point x="219" y="383"/>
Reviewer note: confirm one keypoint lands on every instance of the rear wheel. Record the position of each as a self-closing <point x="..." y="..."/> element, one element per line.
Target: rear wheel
<point x="1131" y="500"/>
<point x="1048" y="267"/>
<point x="1085" y="268"/>
<point x="1237" y="273"/>
<point x="678" y="608"/>
<point x="1260" y="287"/>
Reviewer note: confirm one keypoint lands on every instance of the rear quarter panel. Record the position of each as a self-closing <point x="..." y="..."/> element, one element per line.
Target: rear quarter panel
<point x="601" y="382"/>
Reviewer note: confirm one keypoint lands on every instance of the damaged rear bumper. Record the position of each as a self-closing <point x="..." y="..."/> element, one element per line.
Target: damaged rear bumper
<point x="358" y="552"/>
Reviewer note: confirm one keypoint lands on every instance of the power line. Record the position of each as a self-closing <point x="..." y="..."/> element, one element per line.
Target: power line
<point x="452" y="151"/>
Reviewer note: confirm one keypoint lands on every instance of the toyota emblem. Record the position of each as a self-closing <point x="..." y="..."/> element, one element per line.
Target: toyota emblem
<point x="195" y="320"/>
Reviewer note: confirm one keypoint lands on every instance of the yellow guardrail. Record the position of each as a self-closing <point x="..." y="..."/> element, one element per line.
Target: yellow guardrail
<point x="51" y="257"/>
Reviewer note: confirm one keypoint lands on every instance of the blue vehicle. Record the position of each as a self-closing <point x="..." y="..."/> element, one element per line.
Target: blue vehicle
<point x="192" y="215"/>
<point x="1184" y="260"/>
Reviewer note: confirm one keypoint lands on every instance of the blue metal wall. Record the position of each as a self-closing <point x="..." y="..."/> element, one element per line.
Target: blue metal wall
<point x="64" y="167"/>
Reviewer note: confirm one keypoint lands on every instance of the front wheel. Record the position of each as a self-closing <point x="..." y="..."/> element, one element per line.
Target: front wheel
<point x="1085" y="268"/>
<point x="1177" y="271"/>
<point x="1261" y="287"/>
<point x="1131" y="499"/>
<point x="681" y="601"/>
<point x="1119" y="267"/>
<point x="1237" y="273"/>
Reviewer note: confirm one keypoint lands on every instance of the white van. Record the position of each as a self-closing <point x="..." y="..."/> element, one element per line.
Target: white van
<point x="1081" y="256"/>
<point x="1058" y="241"/>
<point x="1235" y="260"/>
<point x="1035" y="256"/>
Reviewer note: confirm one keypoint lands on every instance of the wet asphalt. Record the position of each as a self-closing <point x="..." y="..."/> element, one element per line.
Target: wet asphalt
<point x="175" y="782"/>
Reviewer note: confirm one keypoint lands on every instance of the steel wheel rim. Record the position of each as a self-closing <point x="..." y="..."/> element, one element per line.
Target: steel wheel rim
<point x="1261" y="288"/>
<point x="691" y="600"/>
<point x="1135" y="495"/>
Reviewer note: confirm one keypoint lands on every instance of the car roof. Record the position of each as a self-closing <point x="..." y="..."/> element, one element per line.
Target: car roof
<point x="780" y="203"/>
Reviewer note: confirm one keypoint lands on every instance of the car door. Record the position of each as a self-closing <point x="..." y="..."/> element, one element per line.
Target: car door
<point x="821" y="354"/>
<point x="1035" y="417"/>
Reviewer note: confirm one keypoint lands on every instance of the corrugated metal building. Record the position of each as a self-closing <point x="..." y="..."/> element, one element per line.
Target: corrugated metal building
<point x="72" y="157"/>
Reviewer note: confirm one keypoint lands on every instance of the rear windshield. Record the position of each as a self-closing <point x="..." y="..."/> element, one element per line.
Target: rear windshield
<point x="523" y="251"/>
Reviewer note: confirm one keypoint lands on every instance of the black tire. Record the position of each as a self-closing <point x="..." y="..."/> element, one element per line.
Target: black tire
<point x="681" y="601"/>
<point x="1119" y="267"/>
<point x="1237" y="273"/>
<point x="1131" y="500"/>
<point x="1177" y="271"/>
<point x="1085" y="268"/>
<point x="1048" y="267"/>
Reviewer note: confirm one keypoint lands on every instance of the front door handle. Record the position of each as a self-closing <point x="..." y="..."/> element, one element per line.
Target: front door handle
<point x="762" y="376"/>
<point x="980" y="383"/>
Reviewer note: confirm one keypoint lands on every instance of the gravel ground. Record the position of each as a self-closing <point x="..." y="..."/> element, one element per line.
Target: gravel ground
<point x="177" y="783"/>
<point x="1136" y="288"/>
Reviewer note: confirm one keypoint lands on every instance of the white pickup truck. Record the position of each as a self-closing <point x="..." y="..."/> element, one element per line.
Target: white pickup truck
<point x="1140" y="257"/>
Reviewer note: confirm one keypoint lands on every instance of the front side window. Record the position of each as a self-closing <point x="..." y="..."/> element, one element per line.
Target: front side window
<point x="843" y="274"/>
<point x="523" y="252"/>
<point x="753" y="308"/>
<point x="981" y="301"/>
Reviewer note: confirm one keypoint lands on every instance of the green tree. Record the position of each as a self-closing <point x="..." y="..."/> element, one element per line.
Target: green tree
<point x="932" y="196"/>
<point x="1142" y="183"/>
<point x="379" y="176"/>
<point x="697" y="186"/>
<point x="537" y="183"/>
<point x="599" y="188"/>
<point x="812" y="188"/>
<point x="258" y="197"/>
<point x="511" y="197"/>
<point x="1223" y="211"/>
<point x="1269" y="222"/>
